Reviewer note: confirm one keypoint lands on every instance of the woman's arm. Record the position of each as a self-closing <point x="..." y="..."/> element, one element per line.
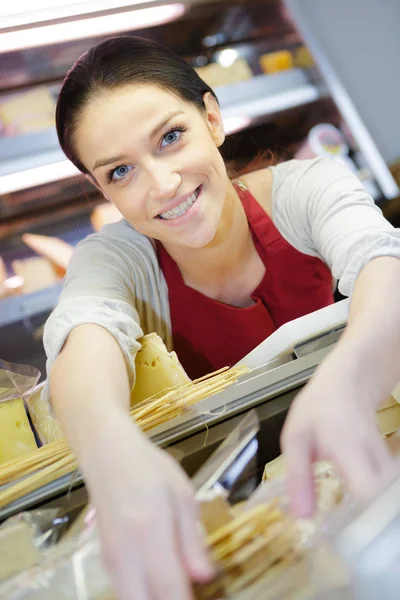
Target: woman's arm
<point x="334" y="416"/>
<point x="140" y="494"/>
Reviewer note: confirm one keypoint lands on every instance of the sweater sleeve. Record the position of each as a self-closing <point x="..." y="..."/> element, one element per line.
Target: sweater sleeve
<point x="322" y="209"/>
<point x="99" y="288"/>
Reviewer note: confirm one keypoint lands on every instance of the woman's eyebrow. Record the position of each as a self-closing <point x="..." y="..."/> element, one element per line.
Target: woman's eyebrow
<point x="121" y="157"/>
<point x="107" y="161"/>
<point x="161" y="125"/>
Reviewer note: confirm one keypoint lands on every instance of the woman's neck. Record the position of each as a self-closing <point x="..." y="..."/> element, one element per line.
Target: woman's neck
<point x="225" y="254"/>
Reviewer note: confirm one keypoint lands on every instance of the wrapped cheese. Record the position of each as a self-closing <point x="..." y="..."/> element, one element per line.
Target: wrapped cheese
<point x="156" y="369"/>
<point x="16" y="436"/>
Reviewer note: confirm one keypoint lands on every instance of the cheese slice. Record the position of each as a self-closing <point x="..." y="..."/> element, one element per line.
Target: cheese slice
<point x="16" y="436"/>
<point x="156" y="369"/>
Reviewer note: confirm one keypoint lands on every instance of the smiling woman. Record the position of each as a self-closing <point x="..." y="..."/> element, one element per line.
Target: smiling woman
<point x="213" y="266"/>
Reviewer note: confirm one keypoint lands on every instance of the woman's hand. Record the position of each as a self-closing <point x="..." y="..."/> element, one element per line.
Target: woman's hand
<point x="148" y="519"/>
<point x="333" y="418"/>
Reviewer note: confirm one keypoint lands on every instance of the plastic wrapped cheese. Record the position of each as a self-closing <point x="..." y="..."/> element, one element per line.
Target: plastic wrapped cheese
<point x="156" y="369"/>
<point x="16" y="436"/>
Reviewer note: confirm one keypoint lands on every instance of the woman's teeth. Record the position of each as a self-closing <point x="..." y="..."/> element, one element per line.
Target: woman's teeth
<point x="180" y="210"/>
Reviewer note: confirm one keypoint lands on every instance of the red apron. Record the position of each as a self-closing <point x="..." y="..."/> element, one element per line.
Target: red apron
<point x="208" y="334"/>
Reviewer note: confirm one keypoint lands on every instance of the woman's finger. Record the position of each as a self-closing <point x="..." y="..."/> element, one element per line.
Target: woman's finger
<point x="167" y="577"/>
<point x="191" y="542"/>
<point x="298" y="452"/>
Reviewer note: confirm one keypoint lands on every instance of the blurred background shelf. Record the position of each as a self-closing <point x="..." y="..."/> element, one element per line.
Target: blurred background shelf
<point x="288" y="68"/>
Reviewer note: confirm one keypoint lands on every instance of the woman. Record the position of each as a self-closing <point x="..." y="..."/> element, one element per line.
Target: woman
<point x="213" y="267"/>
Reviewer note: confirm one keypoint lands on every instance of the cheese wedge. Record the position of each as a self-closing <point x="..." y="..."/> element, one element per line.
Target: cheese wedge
<point x="16" y="436"/>
<point x="156" y="369"/>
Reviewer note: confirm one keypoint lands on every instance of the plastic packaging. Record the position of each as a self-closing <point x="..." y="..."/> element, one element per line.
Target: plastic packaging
<point x="45" y="423"/>
<point x="70" y="570"/>
<point x="16" y="381"/>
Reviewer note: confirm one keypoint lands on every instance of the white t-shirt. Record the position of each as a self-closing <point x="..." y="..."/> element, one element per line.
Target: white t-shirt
<point x="114" y="279"/>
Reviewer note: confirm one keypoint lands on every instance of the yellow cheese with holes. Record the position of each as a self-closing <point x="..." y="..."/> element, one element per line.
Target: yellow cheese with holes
<point x="16" y="436"/>
<point x="156" y="369"/>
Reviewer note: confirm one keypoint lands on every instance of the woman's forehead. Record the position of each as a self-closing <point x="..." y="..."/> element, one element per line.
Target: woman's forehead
<point x="117" y="117"/>
<point x="135" y="98"/>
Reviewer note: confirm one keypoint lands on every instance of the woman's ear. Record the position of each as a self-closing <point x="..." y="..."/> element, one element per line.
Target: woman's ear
<point x="96" y="185"/>
<point x="214" y="119"/>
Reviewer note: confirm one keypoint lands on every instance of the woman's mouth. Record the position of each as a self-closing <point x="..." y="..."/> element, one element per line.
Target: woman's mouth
<point x="182" y="209"/>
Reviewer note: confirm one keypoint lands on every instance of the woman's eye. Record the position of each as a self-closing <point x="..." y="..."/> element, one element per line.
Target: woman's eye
<point x="171" y="138"/>
<point x="121" y="172"/>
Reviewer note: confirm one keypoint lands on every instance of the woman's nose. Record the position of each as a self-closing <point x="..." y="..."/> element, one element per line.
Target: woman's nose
<point x="163" y="184"/>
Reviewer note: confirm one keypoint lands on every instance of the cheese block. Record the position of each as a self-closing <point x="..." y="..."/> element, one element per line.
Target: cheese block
<point x="215" y="75"/>
<point x="276" y="61"/>
<point x="275" y="468"/>
<point x="29" y="111"/>
<point x="52" y="248"/>
<point x="17" y="548"/>
<point x="37" y="273"/>
<point x="156" y="369"/>
<point x="388" y="419"/>
<point x="104" y="214"/>
<point x="45" y="423"/>
<point x="396" y="394"/>
<point x="16" y="436"/>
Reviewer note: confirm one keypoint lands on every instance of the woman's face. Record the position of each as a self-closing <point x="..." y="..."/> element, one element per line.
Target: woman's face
<point x="156" y="158"/>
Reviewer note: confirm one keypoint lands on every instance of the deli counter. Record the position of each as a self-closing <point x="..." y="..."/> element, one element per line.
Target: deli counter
<point x="228" y="443"/>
